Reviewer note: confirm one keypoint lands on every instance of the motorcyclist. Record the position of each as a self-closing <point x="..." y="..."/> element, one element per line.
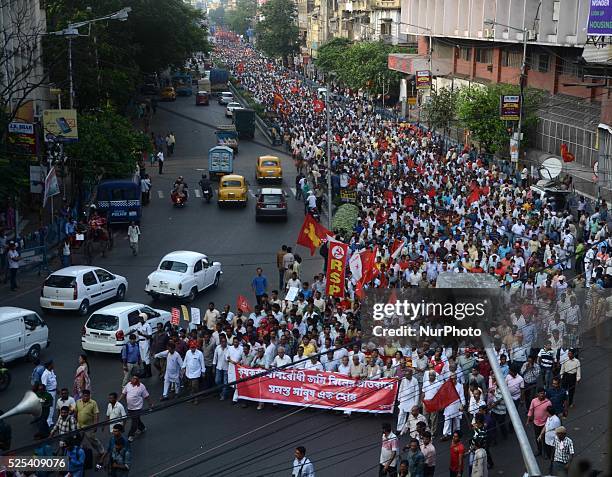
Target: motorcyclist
<point x="180" y="188"/>
<point x="205" y="184"/>
<point x="311" y="202"/>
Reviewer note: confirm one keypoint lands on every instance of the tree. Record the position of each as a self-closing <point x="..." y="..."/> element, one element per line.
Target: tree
<point x="366" y="66"/>
<point x="217" y="16"/>
<point x="332" y="54"/>
<point x="241" y="18"/>
<point x="277" y="33"/>
<point x="478" y="110"/>
<point x="441" y="108"/>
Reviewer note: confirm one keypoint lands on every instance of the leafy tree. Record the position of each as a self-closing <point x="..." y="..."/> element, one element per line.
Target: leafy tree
<point x="366" y="66"/>
<point x="217" y="16"/>
<point x="241" y="18"/>
<point x="441" y="108"/>
<point x="478" y="110"/>
<point x="108" y="146"/>
<point x="332" y="54"/>
<point x="277" y="33"/>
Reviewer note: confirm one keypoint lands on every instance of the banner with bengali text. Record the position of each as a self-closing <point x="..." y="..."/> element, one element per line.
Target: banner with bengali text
<point x="320" y="389"/>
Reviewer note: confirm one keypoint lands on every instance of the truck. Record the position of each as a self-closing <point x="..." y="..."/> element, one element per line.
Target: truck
<point x="218" y="80"/>
<point x="244" y="120"/>
<point x="204" y="85"/>
<point x="182" y="84"/>
<point x="220" y="161"/>
<point x="227" y="136"/>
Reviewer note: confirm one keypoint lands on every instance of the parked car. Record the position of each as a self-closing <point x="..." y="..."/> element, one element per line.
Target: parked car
<point x="183" y="274"/>
<point x="168" y="94"/>
<point x="271" y="203"/>
<point x="79" y="287"/>
<point x="233" y="189"/>
<point x="268" y="169"/>
<point x="202" y="98"/>
<point x="226" y="97"/>
<point x="23" y="333"/>
<point x="231" y="107"/>
<point x="109" y="328"/>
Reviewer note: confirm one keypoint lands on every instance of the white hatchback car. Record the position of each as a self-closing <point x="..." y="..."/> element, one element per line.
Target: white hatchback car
<point x="182" y="275"/>
<point x="231" y="107"/>
<point x="108" y="329"/>
<point x="226" y="97"/>
<point x="79" y="287"/>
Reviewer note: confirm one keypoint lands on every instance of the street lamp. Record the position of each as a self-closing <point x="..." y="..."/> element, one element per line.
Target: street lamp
<point x="524" y="31"/>
<point x="72" y="31"/>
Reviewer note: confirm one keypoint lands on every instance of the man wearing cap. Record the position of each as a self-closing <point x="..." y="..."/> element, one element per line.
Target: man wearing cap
<point x="49" y="379"/>
<point x="563" y="453"/>
<point x="13" y="258"/>
<point x="193" y="367"/>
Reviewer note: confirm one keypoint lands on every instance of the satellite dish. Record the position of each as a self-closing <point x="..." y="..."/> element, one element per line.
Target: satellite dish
<point x="551" y="168"/>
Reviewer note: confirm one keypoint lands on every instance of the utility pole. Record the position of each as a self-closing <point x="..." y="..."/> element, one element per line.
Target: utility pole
<point x="329" y="171"/>
<point x="71" y="102"/>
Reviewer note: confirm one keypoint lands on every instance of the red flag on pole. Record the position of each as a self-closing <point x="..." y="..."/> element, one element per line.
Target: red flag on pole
<point x="243" y="304"/>
<point x="312" y="234"/>
<point x="175" y="316"/>
<point x="446" y="395"/>
<point x="240" y="67"/>
<point x="318" y="105"/>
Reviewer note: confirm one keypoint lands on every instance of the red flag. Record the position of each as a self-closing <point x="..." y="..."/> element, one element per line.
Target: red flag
<point x="175" y="316"/>
<point x="243" y="304"/>
<point x="278" y="99"/>
<point x="474" y="196"/>
<point x="566" y="155"/>
<point x="312" y="234"/>
<point x="396" y="248"/>
<point x="240" y="67"/>
<point x="368" y="270"/>
<point x="446" y="395"/>
<point x="318" y="105"/>
<point x="270" y="66"/>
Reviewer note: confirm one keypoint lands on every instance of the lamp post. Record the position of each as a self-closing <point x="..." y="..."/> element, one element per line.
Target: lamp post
<point x="522" y="80"/>
<point x="72" y="31"/>
<point x="329" y="171"/>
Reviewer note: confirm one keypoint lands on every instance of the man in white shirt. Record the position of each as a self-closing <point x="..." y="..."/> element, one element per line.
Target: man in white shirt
<point x="270" y="351"/>
<point x="313" y="364"/>
<point x="407" y="397"/>
<point x="49" y="379"/>
<point x="430" y="388"/>
<point x="281" y="359"/>
<point x="172" y="376"/>
<point x="115" y="410"/>
<point x="65" y="400"/>
<point x="235" y="355"/>
<point x="211" y="316"/>
<point x="194" y="367"/>
<point x="302" y="467"/>
<point x="220" y="363"/>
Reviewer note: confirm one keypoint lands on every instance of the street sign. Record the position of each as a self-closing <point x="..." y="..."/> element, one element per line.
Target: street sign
<point x="412" y="100"/>
<point x="509" y="107"/>
<point x="21" y="139"/>
<point x="423" y="79"/>
<point x="600" y="18"/>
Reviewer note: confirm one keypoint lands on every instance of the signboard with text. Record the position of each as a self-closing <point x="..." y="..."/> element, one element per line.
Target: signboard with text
<point x="336" y="269"/>
<point x="423" y="79"/>
<point x="60" y="125"/>
<point x="509" y="107"/>
<point x="600" y="18"/>
<point x="21" y="139"/>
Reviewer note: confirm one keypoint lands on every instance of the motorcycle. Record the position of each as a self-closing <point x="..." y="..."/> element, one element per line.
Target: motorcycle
<point x="207" y="192"/>
<point x="178" y="200"/>
<point x="5" y="376"/>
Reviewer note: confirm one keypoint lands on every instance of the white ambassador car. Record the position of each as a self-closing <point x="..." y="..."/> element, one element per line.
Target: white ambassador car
<point x="183" y="275"/>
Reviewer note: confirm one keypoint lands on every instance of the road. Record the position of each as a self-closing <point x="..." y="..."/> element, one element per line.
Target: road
<point x="217" y="438"/>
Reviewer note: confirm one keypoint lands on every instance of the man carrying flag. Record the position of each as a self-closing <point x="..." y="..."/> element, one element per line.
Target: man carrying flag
<point x="451" y="398"/>
<point x="312" y="234"/>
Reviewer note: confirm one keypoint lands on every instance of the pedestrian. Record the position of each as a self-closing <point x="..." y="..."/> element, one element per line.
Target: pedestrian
<point x="87" y="413"/>
<point x="457" y="452"/>
<point x="170" y="142"/>
<point x="415" y="458"/>
<point x="76" y="458"/>
<point x="13" y="258"/>
<point x="120" y="460"/>
<point x="453" y="412"/>
<point x="563" y="453"/>
<point x="208" y="350"/>
<point x="66" y="423"/>
<point x="65" y="256"/>
<point x="480" y="467"/>
<point x="145" y="333"/>
<point x="134" y="394"/>
<point x="172" y="376"/>
<point x="538" y="414"/>
<point x="46" y="401"/>
<point x="570" y="375"/>
<point x="37" y="372"/>
<point x="49" y="380"/>
<point x="193" y="368"/>
<point x="407" y="398"/>
<point x="429" y="390"/>
<point x="302" y="466"/>
<point x="65" y="399"/>
<point x="221" y="364"/>
<point x="115" y="410"/>
<point x="548" y="433"/>
<point x="259" y="285"/>
<point x="116" y="435"/>
<point x="145" y="190"/>
<point x="388" y="452"/>
<point x="130" y="355"/>
<point x="134" y="236"/>
<point x="3" y="254"/>
<point x="280" y="265"/>
<point x="429" y="453"/>
<point x="160" y="161"/>
<point x="82" y="377"/>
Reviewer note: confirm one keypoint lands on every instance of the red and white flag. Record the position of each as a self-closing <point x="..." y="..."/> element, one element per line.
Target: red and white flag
<point x="243" y="304"/>
<point x="396" y="248"/>
<point x="446" y="395"/>
<point x="363" y="269"/>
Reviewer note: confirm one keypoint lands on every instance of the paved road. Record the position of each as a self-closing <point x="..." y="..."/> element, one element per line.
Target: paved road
<point x="216" y="438"/>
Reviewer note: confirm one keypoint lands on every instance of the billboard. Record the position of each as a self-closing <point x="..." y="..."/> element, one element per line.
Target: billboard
<point x="600" y="18"/>
<point x="423" y="79"/>
<point x="509" y="107"/>
<point x="22" y="139"/>
<point x="60" y="125"/>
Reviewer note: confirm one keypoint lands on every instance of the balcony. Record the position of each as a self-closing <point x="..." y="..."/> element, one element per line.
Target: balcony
<point x="387" y="4"/>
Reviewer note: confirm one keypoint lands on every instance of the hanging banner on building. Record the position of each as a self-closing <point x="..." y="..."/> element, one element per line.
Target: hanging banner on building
<point x="51" y="186"/>
<point x="600" y="18"/>
<point x="514" y="150"/>
<point x="60" y="125"/>
<point x="423" y="79"/>
<point x="297" y="387"/>
<point x="21" y="139"/>
<point x="509" y="107"/>
<point x="336" y="269"/>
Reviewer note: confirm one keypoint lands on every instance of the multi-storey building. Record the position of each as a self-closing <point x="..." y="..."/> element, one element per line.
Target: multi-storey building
<point x="481" y="41"/>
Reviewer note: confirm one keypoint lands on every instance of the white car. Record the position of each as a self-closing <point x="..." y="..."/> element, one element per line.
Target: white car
<point x="22" y="333"/>
<point x="226" y="97"/>
<point x="231" y="107"/>
<point x="109" y="328"/>
<point x="183" y="275"/>
<point x="79" y="287"/>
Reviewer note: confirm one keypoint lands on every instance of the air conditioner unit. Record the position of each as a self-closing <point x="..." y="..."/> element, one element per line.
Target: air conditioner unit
<point x="532" y="35"/>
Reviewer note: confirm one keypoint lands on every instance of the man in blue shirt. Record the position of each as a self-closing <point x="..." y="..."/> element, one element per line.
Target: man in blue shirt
<point x="130" y="355"/>
<point x="259" y="285"/>
<point x="558" y="397"/>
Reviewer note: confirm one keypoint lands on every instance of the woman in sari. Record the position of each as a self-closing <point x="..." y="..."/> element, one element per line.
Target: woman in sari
<point x="81" y="378"/>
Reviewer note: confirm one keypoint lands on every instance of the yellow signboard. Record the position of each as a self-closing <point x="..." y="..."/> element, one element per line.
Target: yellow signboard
<point x="412" y="100"/>
<point x="60" y="125"/>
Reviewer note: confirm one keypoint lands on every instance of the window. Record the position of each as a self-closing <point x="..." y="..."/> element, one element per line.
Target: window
<point x="32" y="321"/>
<point x="104" y="276"/>
<point x="133" y="318"/>
<point x="511" y="58"/>
<point x="173" y="266"/>
<point x="569" y="67"/>
<point x="89" y="279"/>
<point x="151" y="313"/>
<point x="205" y="263"/>
<point x="197" y="267"/>
<point x="484" y="55"/>
<point x="385" y="27"/>
<point x="465" y="54"/>
<point x="60" y="281"/>
<point x="543" y="61"/>
<point x="103" y="322"/>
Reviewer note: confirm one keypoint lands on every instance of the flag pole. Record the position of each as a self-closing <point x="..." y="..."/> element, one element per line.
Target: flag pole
<point x="531" y="464"/>
<point x="329" y="171"/>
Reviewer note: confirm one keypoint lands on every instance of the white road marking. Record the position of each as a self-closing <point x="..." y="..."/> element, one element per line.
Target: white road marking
<point x="293" y="191"/>
<point x="200" y="169"/>
<point x="160" y="194"/>
<point x="197" y="193"/>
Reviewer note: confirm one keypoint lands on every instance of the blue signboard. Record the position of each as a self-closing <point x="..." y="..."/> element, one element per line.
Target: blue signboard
<point x="600" y="18"/>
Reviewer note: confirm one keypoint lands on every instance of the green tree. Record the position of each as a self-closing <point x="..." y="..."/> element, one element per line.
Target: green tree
<point x="108" y="147"/>
<point x="332" y="54"/>
<point x="241" y="18"/>
<point x="478" y="111"/>
<point x="277" y="33"/>
<point x="366" y="66"/>
<point x="217" y="16"/>
<point x="441" y="108"/>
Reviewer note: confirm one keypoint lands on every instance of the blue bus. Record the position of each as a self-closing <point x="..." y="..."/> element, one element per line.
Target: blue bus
<point x="119" y="200"/>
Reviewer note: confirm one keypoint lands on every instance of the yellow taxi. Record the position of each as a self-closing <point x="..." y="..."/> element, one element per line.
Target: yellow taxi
<point x="233" y="189"/>
<point x="168" y="94"/>
<point x="268" y="169"/>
